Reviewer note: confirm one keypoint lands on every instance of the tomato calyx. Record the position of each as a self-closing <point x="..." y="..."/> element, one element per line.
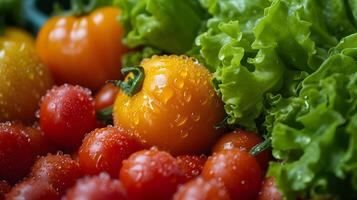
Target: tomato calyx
<point x="2" y="25"/>
<point x="133" y="83"/>
<point x="257" y="149"/>
<point x="78" y="8"/>
<point x="105" y="115"/>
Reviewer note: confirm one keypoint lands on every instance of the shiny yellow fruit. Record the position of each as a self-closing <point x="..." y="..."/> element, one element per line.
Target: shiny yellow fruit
<point x="23" y="78"/>
<point x="176" y="108"/>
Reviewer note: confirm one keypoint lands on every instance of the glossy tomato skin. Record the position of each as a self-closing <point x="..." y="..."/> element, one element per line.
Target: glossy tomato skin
<point x="106" y="96"/>
<point x="40" y="145"/>
<point x="4" y="189"/>
<point x="243" y="141"/>
<point x="16" y="156"/>
<point x="97" y="188"/>
<point x="67" y="114"/>
<point x="33" y="189"/>
<point x="151" y="174"/>
<point x="24" y="79"/>
<point x="59" y="171"/>
<point x="103" y="150"/>
<point x="269" y="191"/>
<point x="200" y="189"/>
<point x="238" y="171"/>
<point x="191" y="165"/>
<point x="176" y="108"/>
<point x="83" y="50"/>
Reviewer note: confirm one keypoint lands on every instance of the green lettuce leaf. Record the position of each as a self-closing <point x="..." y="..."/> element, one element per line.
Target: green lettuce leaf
<point x="313" y="134"/>
<point x="167" y="25"/>
<point x="267" y="47"/>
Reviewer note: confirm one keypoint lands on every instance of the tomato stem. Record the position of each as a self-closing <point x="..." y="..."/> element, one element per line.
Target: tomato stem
<point x="257" y="149"/>
<point x="105" y="115"/>
<point x="2" y="25"/>
<point x="133" y="84"/>
<point x="78" y="7"/>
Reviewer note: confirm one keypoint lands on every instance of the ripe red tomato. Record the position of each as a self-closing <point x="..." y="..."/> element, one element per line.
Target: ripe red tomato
<point x="238" y="171"/>
<point x="106" y="96"/>
<point x="40" y="145"/>
<point x="269" y="191"/>
<point x="191" y="165"/>
<point x="16" y="156"/>
<point x="243" y="141"/>
<point x="97" y="188"/>
<point x="200" y="189"/>
<point x="103" y="150"/>
<point x="33" y="189"/>
<point x="67" y="114"/>
<point x="59" y="171"/>
<point x="151" y="174"/>
<point x="4" y="189"/>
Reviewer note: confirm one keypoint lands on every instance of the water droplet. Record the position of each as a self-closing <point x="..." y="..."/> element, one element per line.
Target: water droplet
<point x="180" y="120"/>
<point x="204" y="102"/>
<point x="187" y="96"/>
<point x="183" y="134"/>
<point x="183" y="73"/>
<point x="211" y="93"/>
<point x="179" y="83"/>
<point x="136" y="120"/>
<point x="166" y="95"/>
<point x="195" y="117"/>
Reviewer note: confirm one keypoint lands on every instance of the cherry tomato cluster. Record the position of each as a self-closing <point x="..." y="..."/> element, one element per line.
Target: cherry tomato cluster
<point x="69" y="154"/>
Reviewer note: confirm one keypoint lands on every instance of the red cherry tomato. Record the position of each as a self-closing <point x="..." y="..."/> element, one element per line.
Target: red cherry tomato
<point x="239" y="172"/>
<point x="4" y="189"/>
<point x="33" y="189"/>
<point x="269" y="190"/>
<point x="39" y="143"/>
<point x="97" y="188"/>
<point x="200" y="189"/>
<point x="106" y="96"/>
<point x="244" y="141"/>
<point x="67" y="114"/>
<point x="151" y="174"/>
<point x="191" y="165"/>
<point x="59" y="171"/>
<point x="103" y="150"/>
<point x="16" y="156"/>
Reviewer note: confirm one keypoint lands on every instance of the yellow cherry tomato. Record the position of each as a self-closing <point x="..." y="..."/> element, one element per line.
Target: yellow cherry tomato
<point x="23" y="78"/>
<point x="176" y="108"/>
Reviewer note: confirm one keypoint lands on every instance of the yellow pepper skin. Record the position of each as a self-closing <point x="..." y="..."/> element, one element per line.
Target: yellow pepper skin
<point x="24" y="79"/>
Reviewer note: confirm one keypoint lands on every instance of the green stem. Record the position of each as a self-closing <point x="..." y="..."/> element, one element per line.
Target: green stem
<point x="2" y="25"/>
<point x="105" y="115"/>
<point x="78" y="7"/>
<point x="133" y="84"/>
<point x="257" y="149"/>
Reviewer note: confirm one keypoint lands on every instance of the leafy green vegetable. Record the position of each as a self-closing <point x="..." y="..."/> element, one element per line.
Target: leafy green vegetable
<point x="267" y="47"/>
<point x="314" y="133"/>
<point x="134" y="58"/>
<point x="167" y="25"/>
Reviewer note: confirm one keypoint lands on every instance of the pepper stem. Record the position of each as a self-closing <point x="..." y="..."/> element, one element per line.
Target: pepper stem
<point x="133" y="84"/>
